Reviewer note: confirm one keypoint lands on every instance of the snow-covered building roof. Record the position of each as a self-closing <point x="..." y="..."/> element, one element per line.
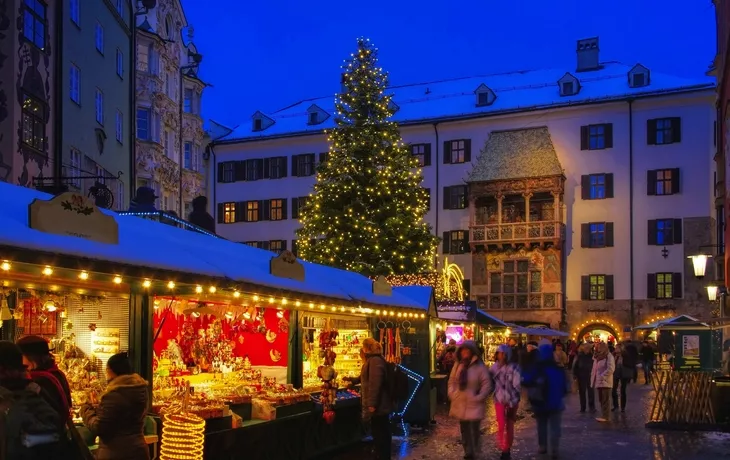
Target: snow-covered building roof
<point x="455" y="99"/>
<point x="151" y="244"/>
<point x="516" y="154"/>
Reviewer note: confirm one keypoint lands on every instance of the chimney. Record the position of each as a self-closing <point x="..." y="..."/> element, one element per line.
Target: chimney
<point x="588" y="54"/>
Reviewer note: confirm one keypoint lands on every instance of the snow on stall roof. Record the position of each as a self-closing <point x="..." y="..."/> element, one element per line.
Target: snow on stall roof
<point x="422" y="295"/>
<point x="148" y="243"/>
<point x="455" y="98"/>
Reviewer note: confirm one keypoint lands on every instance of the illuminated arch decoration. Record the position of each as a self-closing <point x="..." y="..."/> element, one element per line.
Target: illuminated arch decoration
<point x="601" y="324"/>
<point x="452" y="279"/>
<point x="447" y="284"/>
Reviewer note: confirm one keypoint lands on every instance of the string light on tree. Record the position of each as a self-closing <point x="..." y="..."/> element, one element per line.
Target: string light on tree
<point x="366" y="212"/>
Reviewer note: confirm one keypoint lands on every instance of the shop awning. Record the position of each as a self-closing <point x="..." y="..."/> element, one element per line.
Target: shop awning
<point x="145" y="243"/>
<point x="485" y="319"/>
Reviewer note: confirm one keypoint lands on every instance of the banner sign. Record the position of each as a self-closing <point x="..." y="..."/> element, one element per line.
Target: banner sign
<point x="465" y="311"/>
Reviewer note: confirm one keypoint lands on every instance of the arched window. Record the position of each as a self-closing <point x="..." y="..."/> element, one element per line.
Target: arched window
<point x="168" y="27"/>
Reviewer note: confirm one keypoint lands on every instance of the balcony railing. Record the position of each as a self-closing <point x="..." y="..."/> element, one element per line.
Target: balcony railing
<point x="522" y="301"/>
<point x="516" y="232"/>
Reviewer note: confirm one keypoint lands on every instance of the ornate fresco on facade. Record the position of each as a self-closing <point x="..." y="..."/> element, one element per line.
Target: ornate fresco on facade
<point x="545" y="261"/>
<point x="6" y="155"/>
<point x="33" y="77"/>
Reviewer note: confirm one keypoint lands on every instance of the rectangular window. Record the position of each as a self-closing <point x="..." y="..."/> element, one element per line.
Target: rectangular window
<point x="99" y="105"/>
<point x="120" y="63"/>
<point x="188" y="155"/>
<point x="597" y="235"/>
<point x="422" y="152"/>
<point x="303" y="165"/>
<point x="143" y="124"/>
<point x="34" y="22"/>
<point x="665" y="285"/>
<point x="254" y="169"/>
<point x="252" y="211"/>
<point x="276" y="209"/>
<point x="73" y="11"/>
<point x="119" y="126"/>
<point x="661" y="131"/>
<point x="455" y="197"/>
<point x="167" y="144"/>
<point x="275" y="168"/>
<point x="188" y="100"/>
<point x="596" y="137"/>
<point x="597" y="287"/>
<point x="253" y="244"/>
<point x="99" y="37"/>
<point x="296" y="205"/>
<point x="455" y="242"/>
<point x="663" y="181"/>
<point x="229" y="213"/>
<point x="34" y="123"/>
<point x="457" y="151"/>
<point x="278" y="246"/>
<point x="75" y="168"/>
<point x="596" y="186"/>
<point x="74" y="84"/>
<point x="227" y="172"/>
<point x="665" y="232"/>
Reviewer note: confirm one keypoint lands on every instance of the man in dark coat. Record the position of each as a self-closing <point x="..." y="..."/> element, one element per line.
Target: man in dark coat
<point x="143" y="201"/>
<point x="582" y="367"/>
<point x="200" y="215"/>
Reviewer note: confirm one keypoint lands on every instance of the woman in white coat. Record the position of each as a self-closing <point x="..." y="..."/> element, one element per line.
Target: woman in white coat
<point x="469" y="386"/>
<point x="602" y="377"/>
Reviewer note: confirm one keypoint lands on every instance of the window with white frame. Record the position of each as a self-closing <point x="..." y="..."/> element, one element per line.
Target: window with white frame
<point x="143" y="58"/>
<point x="144" y="125"/>
<point x="99" y="105"/>
<point x="168" y="144"/>
<point x="120" y="63"/>
<point x="74" y="170"/>
<point x="73" y="11"/>
<point x="188" y="158"/>
<point x="119" y="125"/>
<point x="75" y="84"/>
<point x="99" y="37"/>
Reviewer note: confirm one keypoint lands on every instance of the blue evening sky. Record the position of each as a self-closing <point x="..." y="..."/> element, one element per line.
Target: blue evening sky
<point x="265" y="55"/>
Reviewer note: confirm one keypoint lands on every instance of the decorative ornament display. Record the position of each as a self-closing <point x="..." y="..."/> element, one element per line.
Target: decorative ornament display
<point x="270" y="336"/>
<point x="183" y="437"/>
<point x="275" y="355"/>
<point x="328" y="340"/>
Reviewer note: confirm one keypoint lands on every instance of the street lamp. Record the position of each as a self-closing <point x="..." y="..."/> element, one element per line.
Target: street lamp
<point x="712" y="292"/>
<point x="699" y="264"/>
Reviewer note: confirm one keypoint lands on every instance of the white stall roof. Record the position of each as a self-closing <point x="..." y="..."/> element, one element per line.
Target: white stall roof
<point x="151" y="244"/>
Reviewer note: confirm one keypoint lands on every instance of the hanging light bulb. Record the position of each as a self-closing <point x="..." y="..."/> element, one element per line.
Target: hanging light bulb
<point x="117" y="279"/>
<point x="280" y="314"/>
<point x="84" y="275"/>
<point x="48" y="271"/>
<point x="171" y="285"/>
<point x="212" y="289"/>
<point x="5" y="266"/>
<point x="236" y="294"/>
<point x="198" y="289"/>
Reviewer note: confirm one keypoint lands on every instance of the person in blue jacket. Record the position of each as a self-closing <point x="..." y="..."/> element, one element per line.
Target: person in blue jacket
<point x="546" y="388"/>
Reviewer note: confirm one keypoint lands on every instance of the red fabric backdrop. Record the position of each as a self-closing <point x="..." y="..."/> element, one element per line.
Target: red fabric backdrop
<point x="246" y="334"/>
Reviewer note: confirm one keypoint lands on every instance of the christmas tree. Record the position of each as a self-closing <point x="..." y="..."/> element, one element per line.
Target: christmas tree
<point x="366" y="212"/>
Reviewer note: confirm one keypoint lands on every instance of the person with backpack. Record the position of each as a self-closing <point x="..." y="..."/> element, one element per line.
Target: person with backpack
<point x="377" y="397"/>
<point x="546" y="386"/>
<point x="505" y="377"/>
<point x="469" y="386"/>
<point x="118" y="416"/>
<point x="42" y="367"/>
<point x="31" y="429"/>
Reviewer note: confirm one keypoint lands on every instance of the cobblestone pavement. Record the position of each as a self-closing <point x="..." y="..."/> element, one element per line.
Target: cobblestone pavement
<point x="625" y="438"/>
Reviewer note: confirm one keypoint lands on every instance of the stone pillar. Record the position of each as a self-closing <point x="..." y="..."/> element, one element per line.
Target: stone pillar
<point x="556" y="204"/>
<point x="472" y="211"/>
<point x="499" y="207"/>
<point x="527" y="196"/>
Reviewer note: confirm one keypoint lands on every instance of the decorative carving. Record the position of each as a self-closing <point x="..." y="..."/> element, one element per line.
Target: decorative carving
<point x="517" y="187"/>
<point x="286" y="265"/>
<point x="381" y="286"/>
<point x="192" y="183"/>
<point x="71" y="214"/>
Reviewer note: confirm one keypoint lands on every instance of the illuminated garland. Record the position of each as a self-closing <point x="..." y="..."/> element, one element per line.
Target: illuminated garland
<point x="183" y="436"/>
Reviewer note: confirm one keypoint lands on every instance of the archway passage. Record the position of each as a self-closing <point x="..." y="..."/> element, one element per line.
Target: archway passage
<point x="597" y="332"/>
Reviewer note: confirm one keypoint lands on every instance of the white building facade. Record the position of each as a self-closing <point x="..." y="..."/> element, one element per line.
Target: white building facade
<point x="570" y="199"/>
<point x="169" y="127"/>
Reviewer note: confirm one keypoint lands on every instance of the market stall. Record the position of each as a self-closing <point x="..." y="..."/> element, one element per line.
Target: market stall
<point x="214" y="324"/>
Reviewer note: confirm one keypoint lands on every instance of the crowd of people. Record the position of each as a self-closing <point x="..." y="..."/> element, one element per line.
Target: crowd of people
<point x="35" y="403"/>
<point x="541" y="374"/>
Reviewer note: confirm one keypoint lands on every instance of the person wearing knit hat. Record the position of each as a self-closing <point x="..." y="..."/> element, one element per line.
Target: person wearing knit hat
<point x="506" y="378"/>
<point x="43" y="370"/>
